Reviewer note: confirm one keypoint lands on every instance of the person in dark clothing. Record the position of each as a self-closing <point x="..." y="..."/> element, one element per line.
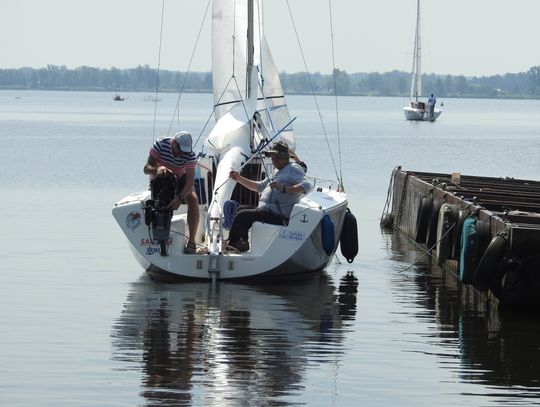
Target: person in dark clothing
<point x="431" y="104"/>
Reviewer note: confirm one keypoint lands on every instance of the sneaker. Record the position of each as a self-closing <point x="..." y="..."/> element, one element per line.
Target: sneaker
<point x="190" y="248"/>
<point x="240" y="245"/>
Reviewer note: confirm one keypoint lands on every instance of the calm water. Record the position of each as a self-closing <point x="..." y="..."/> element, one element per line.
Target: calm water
<point x="83" y="326"/>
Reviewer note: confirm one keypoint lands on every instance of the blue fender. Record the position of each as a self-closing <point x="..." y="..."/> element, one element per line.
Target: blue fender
<point x="468" y="255"/>
<point x="327" y="234"/>
<point x="474" y="241"/>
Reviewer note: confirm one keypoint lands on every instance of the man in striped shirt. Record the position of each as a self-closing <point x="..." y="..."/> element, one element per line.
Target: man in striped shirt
<point x="174" y="155"/>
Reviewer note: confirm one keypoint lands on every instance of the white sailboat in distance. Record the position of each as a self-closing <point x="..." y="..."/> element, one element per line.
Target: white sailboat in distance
<point x="417" y="109"/>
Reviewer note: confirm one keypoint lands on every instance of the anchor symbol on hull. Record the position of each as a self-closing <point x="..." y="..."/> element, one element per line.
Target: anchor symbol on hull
<point x="304" y="219"/>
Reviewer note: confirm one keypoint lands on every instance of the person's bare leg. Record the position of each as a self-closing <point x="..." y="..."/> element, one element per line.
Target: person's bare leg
<point x="192" y="216"/>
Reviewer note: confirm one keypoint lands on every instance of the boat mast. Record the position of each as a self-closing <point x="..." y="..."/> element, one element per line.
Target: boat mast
<point x="416" y="83"/>
<point x="250" y="49"/>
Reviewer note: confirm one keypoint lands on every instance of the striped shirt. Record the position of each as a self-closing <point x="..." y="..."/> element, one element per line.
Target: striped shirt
<point x="162" y="152"/>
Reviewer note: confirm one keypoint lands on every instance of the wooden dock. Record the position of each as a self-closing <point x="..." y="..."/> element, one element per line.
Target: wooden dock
<point x="485" y="230"/>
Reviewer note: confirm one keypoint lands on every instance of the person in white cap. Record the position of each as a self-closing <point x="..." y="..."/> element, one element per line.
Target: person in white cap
<point x="175" y="156"/>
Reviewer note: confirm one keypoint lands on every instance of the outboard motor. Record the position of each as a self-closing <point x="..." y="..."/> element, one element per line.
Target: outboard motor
<point x="156" y="215"/>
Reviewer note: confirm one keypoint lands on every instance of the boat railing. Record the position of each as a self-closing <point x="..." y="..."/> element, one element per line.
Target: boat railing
<point x="321" y="182"/>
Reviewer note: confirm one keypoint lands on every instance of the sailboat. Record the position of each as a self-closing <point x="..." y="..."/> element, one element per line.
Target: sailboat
<point x="417" y="109"/>
<point x="251" y="113"/>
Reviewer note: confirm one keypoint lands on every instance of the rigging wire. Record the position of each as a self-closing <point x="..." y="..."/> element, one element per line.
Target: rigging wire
<point x="260" y="16"/>
<point x="390" y="191"/>
<point x="233" y="41"/>
<point x="340" y="181"/>
<point x="214" y="110"/>
<point x="258" y="152"/>
<point x="158" y="67"/>
<point x="312" y="89"/>
<point x="177" y="107"/>
<point x="428" y="251"/>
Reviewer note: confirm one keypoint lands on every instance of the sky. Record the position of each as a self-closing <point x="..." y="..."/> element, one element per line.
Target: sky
<point x="460" y="37"/>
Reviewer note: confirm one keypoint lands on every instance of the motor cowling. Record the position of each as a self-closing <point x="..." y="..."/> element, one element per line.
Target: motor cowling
<point x="156" y="214"/>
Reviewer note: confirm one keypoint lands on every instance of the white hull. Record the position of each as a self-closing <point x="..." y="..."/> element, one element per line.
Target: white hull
<point x="412" y="113"/>
<point x="276" y="251"/>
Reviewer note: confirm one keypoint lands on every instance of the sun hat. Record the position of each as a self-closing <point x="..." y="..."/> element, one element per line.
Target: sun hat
<point x="279" y="148"/>
<point x="183" y="139"/>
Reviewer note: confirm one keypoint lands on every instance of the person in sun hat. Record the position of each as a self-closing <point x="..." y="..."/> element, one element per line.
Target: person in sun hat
<point x="175" y="156"/>
<point x="278" y="194"/>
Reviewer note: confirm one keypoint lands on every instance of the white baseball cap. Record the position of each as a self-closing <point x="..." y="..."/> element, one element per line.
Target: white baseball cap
<point x="183" y="138"/>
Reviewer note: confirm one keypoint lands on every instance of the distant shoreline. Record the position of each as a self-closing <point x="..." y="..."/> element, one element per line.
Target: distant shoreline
<point x="523" y="85"/>
<point x="208" y="92"/>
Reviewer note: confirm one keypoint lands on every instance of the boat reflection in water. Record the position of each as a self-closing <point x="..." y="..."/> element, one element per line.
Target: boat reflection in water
<point x="230" y="343"/>
<point x="482" y="343"/>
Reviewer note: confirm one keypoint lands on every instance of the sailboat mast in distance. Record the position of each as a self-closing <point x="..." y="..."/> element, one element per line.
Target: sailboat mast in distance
<point x="417" y="109"/>
<point x="416" y="82"/>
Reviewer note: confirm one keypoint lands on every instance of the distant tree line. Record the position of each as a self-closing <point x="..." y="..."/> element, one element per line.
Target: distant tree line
<point x="394" y="83"/>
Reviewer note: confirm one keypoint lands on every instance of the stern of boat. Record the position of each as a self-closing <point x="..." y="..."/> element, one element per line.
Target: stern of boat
<point x="276" y="251"/>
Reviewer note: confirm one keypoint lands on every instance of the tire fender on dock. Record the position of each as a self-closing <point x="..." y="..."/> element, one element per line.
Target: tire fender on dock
<point x="517" y="281"/>
<point x="431" y="237"/>
<point x="422" y="219"/>
<point x="474" y="236"/>
<point x="445" y="232"/>
<point x="487" y="266"/>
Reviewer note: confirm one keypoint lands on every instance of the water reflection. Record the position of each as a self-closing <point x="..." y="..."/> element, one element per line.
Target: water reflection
<point x="482" y="343"/>
<point x="231" y="343"/>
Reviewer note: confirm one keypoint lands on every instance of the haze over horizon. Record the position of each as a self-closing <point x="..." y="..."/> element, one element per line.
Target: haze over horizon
<point x="479" y="38"/>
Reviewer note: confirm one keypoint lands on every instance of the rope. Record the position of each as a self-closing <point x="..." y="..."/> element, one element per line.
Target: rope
<point x="402" y="199"/>
<point x="390" y="190"/>
<point x="428" y="251"/>
<point x="158" y="67"/>
<point x="177" y="107"/>
<point x="312" y="89"/>
<point x="213" y="111"/>
<point x="199" y="246"/>
<point x="335" y="95"/>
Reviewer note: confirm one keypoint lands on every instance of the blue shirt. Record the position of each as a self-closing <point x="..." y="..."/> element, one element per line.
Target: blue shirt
<point x="432" y="101"/>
